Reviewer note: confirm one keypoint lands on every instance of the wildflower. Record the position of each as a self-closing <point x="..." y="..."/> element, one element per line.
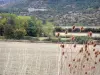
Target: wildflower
<point x="73" y="59"/>
<point x="81" y="50"/>
<point x="83" y="66"/>
<point x="93" y="67"/>
<point x="75" y="46"/>
<point x="74" y="72"/>
<point x="88" y="54"/>
<point x="88" y="43"/>
<point x="63" y="53"/>
<point x="92" y="42"/>
<point x="96" y="52"/>
<point x="81" y="29"/>
<point x="93" y="49"/>
<point x="96" y="56"/>
<point x="75" y="66"/>
<point x="78" y="60"/>
<point x="85" y="46"/>
<point x="99" y="59"/>
<point x="87" y="59"/>
<point x="58" y="34"/>
<point x="69" y="65"/>
<point x="90" y="34"/>
<point x="85" y="72"/>
<point x="62" y="45"/>
<point x="95" y="62"/>
<point x="73" y="27"/>
<point x="72" y="38"/>
<point x="85" y="56"/>
<point x="66" y="32"/>
<point x="94" y="45"/>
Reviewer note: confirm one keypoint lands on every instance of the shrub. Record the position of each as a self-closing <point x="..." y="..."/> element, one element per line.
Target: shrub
<point x="27" y="37"/>
<point x="59" y="29"/>
<point x="54" y="39"/>
<point x="92" y="29"/>
<point x="63" y="40"/>
<point x="34" y="39"/>
<point x="81" y="39"/>
<point x="68" y="36"/>
<point x="96" y="38"/>
<point x="19" y="33"/>
<point x="2" y="37"/>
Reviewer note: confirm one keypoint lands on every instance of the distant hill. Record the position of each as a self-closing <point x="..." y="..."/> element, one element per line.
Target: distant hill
<point x="62" y="12"/>
<point x="58" y="5"/>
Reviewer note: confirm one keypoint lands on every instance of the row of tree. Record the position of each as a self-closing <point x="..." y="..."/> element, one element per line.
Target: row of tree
<point x="14" y="26"/>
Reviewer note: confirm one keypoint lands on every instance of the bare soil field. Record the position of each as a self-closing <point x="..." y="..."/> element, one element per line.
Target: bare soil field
<point x="18" y="58"/>
<point x="28" y="58"/>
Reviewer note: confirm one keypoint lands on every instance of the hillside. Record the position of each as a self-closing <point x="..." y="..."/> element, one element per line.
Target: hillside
<point x="62" y="12"/>
<point x="58" y="5"/>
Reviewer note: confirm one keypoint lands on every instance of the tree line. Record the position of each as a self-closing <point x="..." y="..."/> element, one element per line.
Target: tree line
<point x="15" y="26"/>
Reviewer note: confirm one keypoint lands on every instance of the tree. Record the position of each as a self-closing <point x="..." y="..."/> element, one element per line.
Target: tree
<point x="34" y="27"/>
<point x="31" y="29"/>
<point x="48" y="29"/>
<point x="3" y="21"/>
<point x="22" y="21"/>
<point x="39" y="27"/>
<point x="8" y="31"/>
